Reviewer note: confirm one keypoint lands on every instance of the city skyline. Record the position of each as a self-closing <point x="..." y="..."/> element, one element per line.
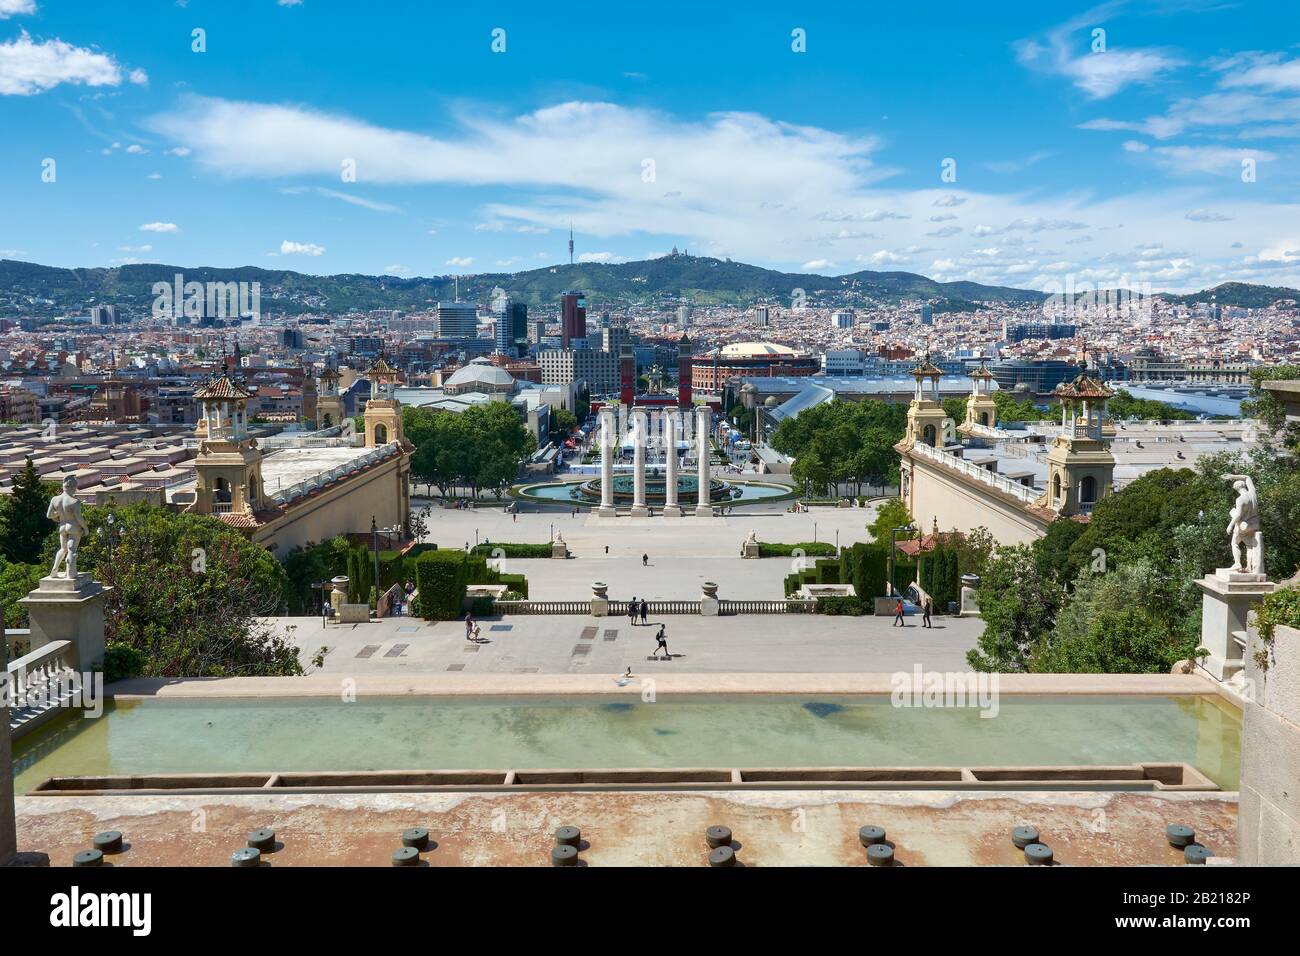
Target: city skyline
<point x="1121" y="166"/>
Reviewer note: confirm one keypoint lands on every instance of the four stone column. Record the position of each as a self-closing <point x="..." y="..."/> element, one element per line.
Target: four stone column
<point x="640" y="437"/>
<point x="703" y="423"/>
<point x="671" y="508"/>
<point x="609" y="442"/>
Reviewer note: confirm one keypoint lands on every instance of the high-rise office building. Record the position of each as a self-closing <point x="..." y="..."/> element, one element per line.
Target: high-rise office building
<point x="927" y="314"/>
<point x="573" y="319"/>
<point x="683" y="316"/>
<point x="762" y="316"/>
<point x="843" y="319"/>
<point x="457" y="320"/>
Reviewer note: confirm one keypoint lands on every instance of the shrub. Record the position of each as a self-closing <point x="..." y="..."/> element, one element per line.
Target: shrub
<point x="122" y="661"/>
<point x="791" y="584"/>
<point x="481" y="606"/>
<point x="842" y="606"/>
<point x="865" y="566"/>
<point x="828" y="571"/>
<point x="517" y="583"/>
<point x="1280" y="607"/>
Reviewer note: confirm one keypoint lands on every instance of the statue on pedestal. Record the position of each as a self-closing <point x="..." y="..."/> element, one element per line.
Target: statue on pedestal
<point x="1243" y="528"/>
<point x="65" y="510"/>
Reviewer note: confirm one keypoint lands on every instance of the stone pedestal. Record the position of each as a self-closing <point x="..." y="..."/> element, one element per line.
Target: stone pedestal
<point x="751" y="549"/>
<point x="69" y="609"/>
<point x="709" y="604"/>
<point x="1268" y="810"/>
<point x="8" y="827"/>
<point x="559" y="549"/>
<point x="1227" y="597"/>
<point x="600" y="599"/>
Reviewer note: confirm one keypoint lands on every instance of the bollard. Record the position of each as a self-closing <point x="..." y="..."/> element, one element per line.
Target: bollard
<point x="1038" y="854"/>
<point x="880" y="854"/>
<point x="722" y="856"/>
<point x="564" y="854"/>
<point x="406" y="856"/>
<point x="568" y="836"/>
<point x="263" y="839"/>
<point x="246" y="856"/>
<point x="1023" y="836"/>
<point x="717" y="836"/>
<point x="1180" y="835"/>
<point x="417" y="837"/>
<point x="870" y="836"/>
<point x="1197" y="854"/>
<point x="88" y="858"/>
<point x="110" y="841"/>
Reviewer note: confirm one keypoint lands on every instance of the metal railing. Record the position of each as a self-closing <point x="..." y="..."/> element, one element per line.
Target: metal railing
<point x="1013" y="488"/>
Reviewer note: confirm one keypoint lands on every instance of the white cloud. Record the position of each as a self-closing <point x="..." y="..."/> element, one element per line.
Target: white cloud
<point x="1212" y="160"/>
<point x="179" y="151"/>
<point x="160" y="227"/>
<point x="28" y="67"/>
<point x="13" y="8"/>
<point x="600" y="257"/>
<point x="145" y="248"/>
<point x="291" y="248"/>
<point x="136" y="149"/>
<point x="397" y="270"/>
<point x="460" y="261"/>
<point x="342" y="197"/>
<point x="817" y="265"/>
<point x="1067" y="51"/>
<point x="1206" y="215"/>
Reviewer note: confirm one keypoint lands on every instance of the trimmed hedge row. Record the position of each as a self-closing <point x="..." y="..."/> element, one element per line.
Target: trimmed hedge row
<point x="810" y="548"/>
<point x="443" y="577"/>
<point x="844" y="606"/>
<point x="512" y="550"/>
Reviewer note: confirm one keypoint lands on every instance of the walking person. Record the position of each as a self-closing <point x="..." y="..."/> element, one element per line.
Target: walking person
<point x="645" y="610"/>
<point x="645" y="560"/>
<point x="661" y="644"/>
<point x="898" y="614"/>
<point x="469" y="627"/>
<point x="925" y="613"/>
<point x="631" y="611"/>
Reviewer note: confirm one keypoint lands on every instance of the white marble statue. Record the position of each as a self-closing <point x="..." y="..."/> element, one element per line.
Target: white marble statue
<point x="752" y="539"/>
<point x="1243" y="527"/>
<point x="65" y="510"/>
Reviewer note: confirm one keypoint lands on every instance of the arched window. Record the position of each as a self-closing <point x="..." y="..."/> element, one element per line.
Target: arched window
<point x="221" y="492"/>
<point x="984" y="418"/>
<point x="327" y="420"/>
<point x="1088" y="490"/>
<point x="381" y="435"/>
<point x="1056" y="489"/>
<point x="252" y="489"/>
<point x="928" y="435"/>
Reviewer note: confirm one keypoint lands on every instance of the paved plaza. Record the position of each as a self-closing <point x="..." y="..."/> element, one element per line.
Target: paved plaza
<point x="543" y="644"/>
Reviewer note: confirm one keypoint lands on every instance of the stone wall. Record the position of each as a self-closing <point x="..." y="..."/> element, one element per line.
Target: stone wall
<point x="964" y="505"/>
<point x="1269" y="815"/>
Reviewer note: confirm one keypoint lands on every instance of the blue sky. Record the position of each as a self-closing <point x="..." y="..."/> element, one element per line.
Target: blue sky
<point x="654" y="125"/>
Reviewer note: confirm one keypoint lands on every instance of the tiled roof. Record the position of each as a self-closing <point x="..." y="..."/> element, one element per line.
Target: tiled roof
<point x="221" y="387"/>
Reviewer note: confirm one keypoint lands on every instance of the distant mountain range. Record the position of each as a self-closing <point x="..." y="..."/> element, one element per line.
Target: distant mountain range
<point x="30" y="289"/>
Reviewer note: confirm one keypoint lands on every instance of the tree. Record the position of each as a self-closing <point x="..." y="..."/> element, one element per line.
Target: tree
<point x="189" y="593"/>
<point x="1012" y="409"/>
<point x="890" y="515"/>
<point x="1052" y="552"/>
<point x="1018" y="605"/>
<point x="1124" y="405"/>
<point x="24" y="523"/>
<point x="16" y="581"/>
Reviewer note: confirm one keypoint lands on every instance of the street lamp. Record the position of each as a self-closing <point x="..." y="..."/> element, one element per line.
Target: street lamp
<point x="909" y="529"/>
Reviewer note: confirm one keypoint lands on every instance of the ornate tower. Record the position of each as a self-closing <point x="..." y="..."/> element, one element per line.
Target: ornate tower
<point x="981" y="410"/>
<point x="383" y="412"/>
<point x="1080" y="467"/>
<point x="925" y="414"/>
<point x="308" y="394"/>
<point x="329" y="403"/>
<point x="684" y="350"/>
<point x="229" y="464"/>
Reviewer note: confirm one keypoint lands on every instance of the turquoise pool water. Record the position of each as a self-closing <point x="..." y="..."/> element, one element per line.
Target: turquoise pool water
<point x="249" y="734"/>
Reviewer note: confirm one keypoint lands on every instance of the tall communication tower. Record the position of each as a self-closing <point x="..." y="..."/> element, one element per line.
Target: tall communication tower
<point x="570" y="242"/>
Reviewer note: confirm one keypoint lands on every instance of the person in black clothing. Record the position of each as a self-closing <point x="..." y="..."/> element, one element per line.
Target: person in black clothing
<point x="661" y="644"/>
<point x="925" y="613"/>
<point x="645" y="610"/>
<point x="631" y="611"/>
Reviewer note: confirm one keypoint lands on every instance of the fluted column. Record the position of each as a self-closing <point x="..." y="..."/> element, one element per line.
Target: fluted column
<point x="671" y="508"/>
<point x="703" y="423"/>
<point x="608" y="443"/>
<point x="640" y="437"/>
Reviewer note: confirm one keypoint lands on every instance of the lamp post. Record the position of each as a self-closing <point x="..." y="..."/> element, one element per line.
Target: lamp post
<point x="909" y="529"/>
<point x="374" y="544"/>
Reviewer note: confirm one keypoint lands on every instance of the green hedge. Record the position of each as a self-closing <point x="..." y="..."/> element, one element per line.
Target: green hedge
<point x="866" y="567"/>
<point x="812" y="549"/>
<point x="515" y="582"/>
<point x="940" y="577"/>
<point x="828" y="571"/>
<point x="512" y="550"/>
<point x="442" y="577"/>
<point x="843" y="606"/>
